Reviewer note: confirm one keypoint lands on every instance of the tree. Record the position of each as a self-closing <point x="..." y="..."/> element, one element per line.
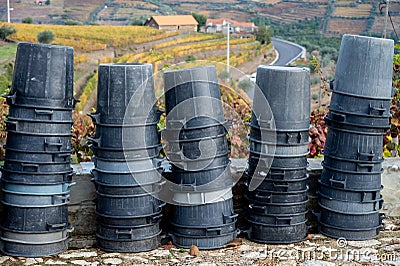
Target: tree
<point x="46" y="36"/>
<point x="27" y="20"/>
<point x="5" y="31"/>
<point x="201" y="19"/>
<point x="263" y="34"/>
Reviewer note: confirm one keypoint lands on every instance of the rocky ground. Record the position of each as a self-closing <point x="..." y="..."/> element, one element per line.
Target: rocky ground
<point x="317" y="250"/>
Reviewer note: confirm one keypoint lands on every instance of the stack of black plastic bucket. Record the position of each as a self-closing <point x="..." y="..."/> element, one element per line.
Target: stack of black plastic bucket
<point x="350" y="184"/>
<point x="276" y="173"/>
<point x="126" y="149"/>
<point x="37" y="176"/>
<point x="202" y="213"/>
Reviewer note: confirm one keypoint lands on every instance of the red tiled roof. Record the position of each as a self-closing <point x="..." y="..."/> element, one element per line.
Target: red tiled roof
<point x="233" y="23"/>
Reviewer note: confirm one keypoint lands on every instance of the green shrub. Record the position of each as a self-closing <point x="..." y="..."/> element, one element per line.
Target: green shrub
<point x="46" y="36"/>
<point x="6" y="31"/>
<point x="27" y="20"/>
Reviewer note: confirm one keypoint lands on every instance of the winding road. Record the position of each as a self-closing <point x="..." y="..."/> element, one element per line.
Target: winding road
<point x="288" y="52"/>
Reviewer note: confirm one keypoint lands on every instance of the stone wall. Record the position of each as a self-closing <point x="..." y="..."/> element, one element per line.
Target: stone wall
<point x="82" y="206"/>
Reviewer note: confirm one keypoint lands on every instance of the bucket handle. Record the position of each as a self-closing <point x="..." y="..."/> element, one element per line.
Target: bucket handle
<point x="230" y="217"/>
<point x="296" y="137"/>
<point x="32" y="165"/>
<point x="286" y="186"/>
<point x="56" y="226"/>
<point x="95" y="117"/>
<point x="57" y="199"/>
<point x="338" y="182"/>
<point x="287" y="220"/>
<point x="156" y="218"/>
<point x="47" y="144"/>
<point x="124" y="232"/>
<point x="279" y="174"/>
<point x="369" y="166"/>
<point x="12" y="125"/>
<point x="95" y="141"/>
<point x="215" y="229"/>
<point x="257" y="208"/>
<point x="370" y="156"/>
<point x="376" y="110"/>
<point x="338" y="117"/>
<point x="10" y="98"/>
<point x="44" y="112"/>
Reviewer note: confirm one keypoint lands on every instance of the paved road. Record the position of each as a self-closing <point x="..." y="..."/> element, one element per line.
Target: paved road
<point x="288" y="51"/>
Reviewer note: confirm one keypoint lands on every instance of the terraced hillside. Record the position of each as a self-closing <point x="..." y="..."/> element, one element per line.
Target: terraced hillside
<point x="122" y="44"/>
<point x="340" y="16"/>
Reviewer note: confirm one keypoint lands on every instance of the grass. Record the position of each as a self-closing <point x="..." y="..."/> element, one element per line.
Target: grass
<point x="7" y="54"/>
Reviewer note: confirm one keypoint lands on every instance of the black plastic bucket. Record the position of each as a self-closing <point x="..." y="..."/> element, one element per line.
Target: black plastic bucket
<point x="203" y="177"/>
<point x="276" y="174"/>
<point x="43" y="75"/>
<point x="24" y="166"/>
<point x="349" y="206"/>
<point x="349" y="195"/>
<point x="203" y="242"/>
<point x="16" y="248"/>
<point x="281" y="185"/>
<point x="351" y="180"/>
<point x="351" y="221"/>
<point x="198" y="148"/>
<point x="124" y="166"/>
<point x="120" y="84"/>
<point x="276" y="161"/>
<point x="39" y="113"/>
<point x="196" y="133"/>
<point x="348" y="144"/>
<point x="279" y="150"/>
<point x="34" y="199"/>
<point x="128" y="154"/>
<point x="349" y="234"/>
<point x="121" y="189"/>
<point x="364" y="66"/>
<point x="128" y="178"/>
<point x="200" y="164"/>
<point x="36" y="178"/>
<point x="275" y="219"/>
<point x="288" y="137"/>
<point x="35" y="219"/>
<point x="261" y="208"/>
<point x="119" y="233"/>
<point x="287" y="90"/>
<point x="128" y="220"/>
<point x="267" y="196"/>
<point x="207" y="215"/>
<point x="132" y="136"/>
<point x="352" y="165"/>
<point x="38" y="127"/>
<point x="192" y="97"/>
<point x="358" y="122"/>
<point x="360" y="109"/>
<point x="128" y="245"/>
<point x="194" y="231"/>
<point x="127" y="205"/>
<point x="273" y="234"/>
<point x="37" y="156"/>
<point x="38" y="143"/>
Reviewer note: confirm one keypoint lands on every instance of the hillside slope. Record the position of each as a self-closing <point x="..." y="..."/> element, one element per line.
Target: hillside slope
<point x="341" y="16"/>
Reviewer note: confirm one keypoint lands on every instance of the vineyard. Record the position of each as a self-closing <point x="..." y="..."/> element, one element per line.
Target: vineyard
<point x="91" y="38"/>
<point x="362" y="10"/>
<point x="275" y="12"/>
<point x="350" y="26"/>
